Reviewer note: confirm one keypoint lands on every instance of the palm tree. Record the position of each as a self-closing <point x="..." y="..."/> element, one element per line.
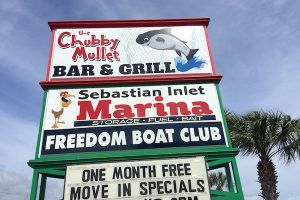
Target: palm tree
<point x="266" y="135"/>
<point x="217" y="179"/>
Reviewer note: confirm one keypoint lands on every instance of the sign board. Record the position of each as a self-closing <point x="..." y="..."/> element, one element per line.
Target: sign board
<point x="133" y="51"/>
<point x="164" y="179"/>
<point x="132" y="89"/>
<point x="133" y="117"/>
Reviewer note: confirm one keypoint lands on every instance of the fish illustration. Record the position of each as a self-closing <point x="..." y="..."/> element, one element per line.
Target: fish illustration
<point x="163" y="40"/>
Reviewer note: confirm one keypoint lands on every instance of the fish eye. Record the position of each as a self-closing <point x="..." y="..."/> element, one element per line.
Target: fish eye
<point x="146" y="39"/>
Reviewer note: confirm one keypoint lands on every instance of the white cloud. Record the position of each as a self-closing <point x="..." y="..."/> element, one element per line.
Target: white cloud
<point x="253" y="197"/>
<point x="13" y="185"/>
<point x="16" y="186"/>
<point x="18" y="141"/>
<point x="22" y="55"/>
<point x="17" y="147"/>
<point x="294" y="198"/>
<point x="278" y="3"/>
<point x="54" y="189"/>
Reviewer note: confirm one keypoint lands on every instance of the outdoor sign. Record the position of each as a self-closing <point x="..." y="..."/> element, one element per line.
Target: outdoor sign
<point x="164" y="179"/>
<point x="133" y="117"/>
<point x="123" y="96"/>
<point x="133" y="51"/>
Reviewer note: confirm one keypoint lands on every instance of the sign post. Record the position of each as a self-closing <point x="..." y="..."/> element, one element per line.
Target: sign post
<point x="125" y="98"/>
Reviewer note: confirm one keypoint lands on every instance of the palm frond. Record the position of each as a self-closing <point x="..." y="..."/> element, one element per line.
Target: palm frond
<point x="265" y="134"/>
<point x="218" y="180"/>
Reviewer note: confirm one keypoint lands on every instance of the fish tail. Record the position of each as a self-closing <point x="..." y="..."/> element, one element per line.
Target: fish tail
<point x="191" y="54"/>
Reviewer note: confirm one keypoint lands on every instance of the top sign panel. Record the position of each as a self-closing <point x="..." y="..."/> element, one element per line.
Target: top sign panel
<point x="103" y="53"/>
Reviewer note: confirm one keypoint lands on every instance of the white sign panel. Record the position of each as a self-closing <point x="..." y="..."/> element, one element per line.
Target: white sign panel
<point x="131" y="117"/>
<point x="166" y="179"/>
<point x="121" y="52"/>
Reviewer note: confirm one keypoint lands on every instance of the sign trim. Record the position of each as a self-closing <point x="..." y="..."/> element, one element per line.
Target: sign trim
<point x="127" y="23"/>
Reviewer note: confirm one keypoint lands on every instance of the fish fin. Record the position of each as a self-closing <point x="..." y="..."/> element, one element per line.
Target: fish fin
<point x="160" y="39"/>
<point x="191" y="54"/>
<point x="178" y="52"/>
<point x="166" y="30"/>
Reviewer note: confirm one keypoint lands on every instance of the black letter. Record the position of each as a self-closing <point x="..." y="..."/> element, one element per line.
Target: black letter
<point x="144" y="192"/>
<point x="75" y="194"/>
<point x="83" y="92"/>
<point x="85" y="175"/>
<point x="117" y="173"/>
<point x="200" y="184"/>
<point x="87" y="70"/>
<point x="59" y="71"/>
<point x="104" y="191"/>
<point x="125" y="69"/>
<point x="105" y="70"/>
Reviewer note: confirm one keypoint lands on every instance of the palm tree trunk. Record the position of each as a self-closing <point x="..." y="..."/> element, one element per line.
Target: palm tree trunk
<point x="267" y="178"/>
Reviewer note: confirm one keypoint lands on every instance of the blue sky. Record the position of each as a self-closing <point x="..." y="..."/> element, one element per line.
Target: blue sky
<point x="255" y="45"/>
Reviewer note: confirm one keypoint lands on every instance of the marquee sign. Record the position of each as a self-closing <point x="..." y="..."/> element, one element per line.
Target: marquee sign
<point x="164" y="179"/>
<point x="133" y="51"/>
<point x="132" y="117"/>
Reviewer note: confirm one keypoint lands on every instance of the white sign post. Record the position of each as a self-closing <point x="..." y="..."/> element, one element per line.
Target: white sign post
<point x="164" y="179"/>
